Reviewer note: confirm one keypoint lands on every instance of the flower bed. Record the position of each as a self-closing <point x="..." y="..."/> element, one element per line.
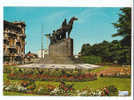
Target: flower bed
<point x="43" y="74"/>
<point x="68" y="90"/>
<point x="29" y="87"/>
<point x="119" y="72"/>
<point x="21" y="86"/>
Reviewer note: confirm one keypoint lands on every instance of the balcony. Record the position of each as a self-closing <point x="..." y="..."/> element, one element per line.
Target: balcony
<point x="12" y="47"/>
<point x="12" y="34"/>
<point x="18" y="43"/>
<point x="6" y="41"/>
<point x="22" y="35"/>
<point x="12" y="50"/>
<point x="5" y="37"/>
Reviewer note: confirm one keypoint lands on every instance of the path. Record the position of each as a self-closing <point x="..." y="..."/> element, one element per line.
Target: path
<point x="68" y="66"/>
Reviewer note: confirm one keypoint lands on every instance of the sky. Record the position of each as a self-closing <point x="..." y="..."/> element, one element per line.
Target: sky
<point x="94" y="24"/>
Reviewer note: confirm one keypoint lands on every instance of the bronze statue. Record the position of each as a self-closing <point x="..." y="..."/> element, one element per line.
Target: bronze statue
<point x="51" y="38"/>
<point x="63" y="32"/>
<point x="54" y="36"/>
<point x="64" y="23"/>
<point x="69" y="26"/>
<point x="66" y="27"/>
<point x="60" y="34"/>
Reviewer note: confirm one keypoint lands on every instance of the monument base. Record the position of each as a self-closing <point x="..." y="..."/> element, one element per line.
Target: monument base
<point x="58" y="60"/>
<point x="63" y="48"/>
<point x="60" y="52"/>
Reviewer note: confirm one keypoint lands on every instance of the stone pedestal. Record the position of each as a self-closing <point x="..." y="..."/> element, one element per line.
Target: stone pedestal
<point x="63" y="48"/>
<point x="60" y="52"/>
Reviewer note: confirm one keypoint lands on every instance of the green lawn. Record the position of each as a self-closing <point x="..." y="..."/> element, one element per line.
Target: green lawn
<point x="16" y="94"/>
<point x="99" y="69"/>
<point x="120" y="83"/>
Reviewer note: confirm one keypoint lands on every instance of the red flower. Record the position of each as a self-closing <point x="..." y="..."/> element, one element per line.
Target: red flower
<point x="65" y="89"/>
<point x="64" y="76"/>
<point x="107" y="91"/>
<point x="12" y="75"/>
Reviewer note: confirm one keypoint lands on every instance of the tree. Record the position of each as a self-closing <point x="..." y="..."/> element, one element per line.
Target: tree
<point x="115" y="51"/>
<point x="123" y="26"/>
<point x="85" y="49"/>
<point x="105" y="52"/>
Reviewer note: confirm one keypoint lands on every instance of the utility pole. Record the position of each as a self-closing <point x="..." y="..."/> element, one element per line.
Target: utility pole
<point x="42" y="41"/>
<point x="47" y="43"/>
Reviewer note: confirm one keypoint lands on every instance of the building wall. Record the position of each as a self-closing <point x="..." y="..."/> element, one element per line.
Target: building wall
<point x="14" y="42"/>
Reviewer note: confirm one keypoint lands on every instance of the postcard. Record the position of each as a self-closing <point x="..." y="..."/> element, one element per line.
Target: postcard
<point x="67" y="51"/>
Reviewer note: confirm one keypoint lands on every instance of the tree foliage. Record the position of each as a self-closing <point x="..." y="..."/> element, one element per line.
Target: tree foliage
<point x="123" y="26"/>
<point x="107" y="52"/>
<point x="115" y="51"/>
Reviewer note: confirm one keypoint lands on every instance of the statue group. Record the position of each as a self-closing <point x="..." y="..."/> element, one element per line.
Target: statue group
<point x="60" y="34"/>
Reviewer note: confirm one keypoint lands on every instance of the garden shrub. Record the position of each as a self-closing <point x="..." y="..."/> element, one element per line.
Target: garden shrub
<point x="46" y="72"/>
<point x="43" y="74"/>
<point x="91" y="59"/>
<point x="59" y="73"/>
<point x="42" y="90"/>
<point x="68" y="73"/>
<point x="62" y="90"/>
<point x="113" y="91"/>
<point x="75" y="73"/>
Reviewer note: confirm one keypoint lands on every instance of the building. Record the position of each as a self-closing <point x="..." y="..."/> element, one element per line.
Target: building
<point x="14" y="42"/>
<point x="45" y="53"/>
<point x="31" y="58"/>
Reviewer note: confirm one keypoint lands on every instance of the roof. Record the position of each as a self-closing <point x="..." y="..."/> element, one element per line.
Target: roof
<point x="31" y="54"/>
<point x="14" y="23"/>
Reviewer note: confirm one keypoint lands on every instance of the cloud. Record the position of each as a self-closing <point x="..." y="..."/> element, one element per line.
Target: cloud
<point x="88" y="13"/>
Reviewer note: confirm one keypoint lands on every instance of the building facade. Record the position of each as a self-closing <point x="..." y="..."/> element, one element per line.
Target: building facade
<point x="14" y="42"/>
<point x="44" y="53"/>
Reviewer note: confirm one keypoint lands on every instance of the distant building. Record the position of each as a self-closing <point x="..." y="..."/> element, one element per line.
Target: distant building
<point x="31" y="57"/>
<point x="45" y="53"/>
<point x="14" y="42"/>
<point x="78" y="55"/>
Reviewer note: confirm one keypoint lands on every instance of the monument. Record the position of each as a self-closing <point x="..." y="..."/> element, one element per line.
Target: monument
<point x="61" y="45"/>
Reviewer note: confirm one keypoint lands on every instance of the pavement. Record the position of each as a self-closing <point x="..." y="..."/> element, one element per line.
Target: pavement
<point x="67" y="66"/>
